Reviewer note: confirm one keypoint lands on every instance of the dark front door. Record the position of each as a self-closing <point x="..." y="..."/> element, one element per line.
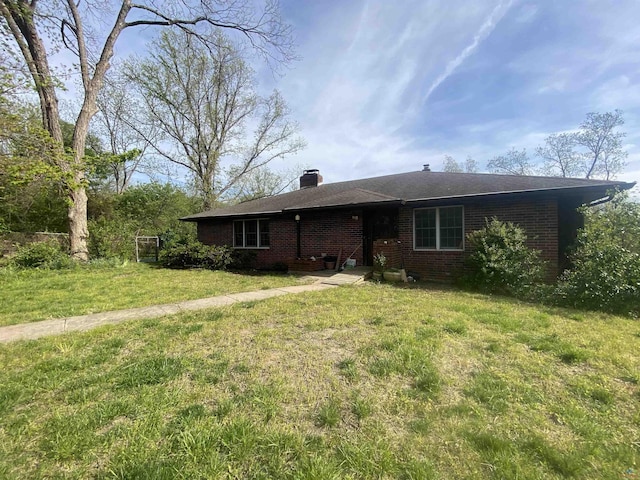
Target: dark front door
<point x="377" y="223"/>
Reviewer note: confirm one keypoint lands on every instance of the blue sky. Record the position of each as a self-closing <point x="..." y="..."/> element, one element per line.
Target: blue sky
<point x="384" y="87"/>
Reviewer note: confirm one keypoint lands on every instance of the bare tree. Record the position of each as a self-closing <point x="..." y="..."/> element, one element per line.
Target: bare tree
<point x="264" y="182"/>
<point x="453" y="166"/>
<point x="514" y="162"/>
<point x="202" y="98"/>
<point x="120" y="122"/>
<point x="29" y="22"/>
<point x="559" y="155"/>
<point x="594" y="151"/>
<point x="470" y="165"/>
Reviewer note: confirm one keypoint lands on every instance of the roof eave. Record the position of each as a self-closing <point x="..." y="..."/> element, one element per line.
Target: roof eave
<point x="195" y="218"/>
<point x="623" y="185"/>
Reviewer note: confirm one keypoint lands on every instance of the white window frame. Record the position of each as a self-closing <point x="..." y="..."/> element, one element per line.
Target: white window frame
<point x="438" y="248"/>
<point x="244" y="234"/>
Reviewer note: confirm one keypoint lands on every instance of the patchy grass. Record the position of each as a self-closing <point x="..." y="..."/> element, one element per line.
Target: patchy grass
<point x="32" y="295"/>
<point x="371" y="381"/>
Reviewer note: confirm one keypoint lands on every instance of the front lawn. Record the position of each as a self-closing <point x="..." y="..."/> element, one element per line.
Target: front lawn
<point x="358" y="382"/>
<point x="32" y="295"/>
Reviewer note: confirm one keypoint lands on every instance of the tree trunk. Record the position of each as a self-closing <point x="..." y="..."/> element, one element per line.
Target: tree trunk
<point x="78" y="230"/>
<point x="77" y="215"/>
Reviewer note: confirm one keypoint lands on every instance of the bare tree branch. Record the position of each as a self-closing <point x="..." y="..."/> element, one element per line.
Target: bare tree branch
<point x="204" y="103"/>
<point x="559" y="155"/>
<point x="514" y="162"/>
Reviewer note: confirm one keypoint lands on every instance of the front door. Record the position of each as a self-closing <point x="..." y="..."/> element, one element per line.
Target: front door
<point x="377" y="223"/>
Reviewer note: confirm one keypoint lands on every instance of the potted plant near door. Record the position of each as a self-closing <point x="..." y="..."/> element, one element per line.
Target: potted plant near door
<point x="379" y="262"/>
<point x="330" y="262"/>
<point x="393" y="275"/>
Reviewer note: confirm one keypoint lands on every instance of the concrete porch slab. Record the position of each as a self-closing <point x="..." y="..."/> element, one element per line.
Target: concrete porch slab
<point x="347" y="276"/>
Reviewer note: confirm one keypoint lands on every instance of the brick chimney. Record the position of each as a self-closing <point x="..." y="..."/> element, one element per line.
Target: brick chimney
<point x="426" y="168"/>
<point x="310" y="178"/>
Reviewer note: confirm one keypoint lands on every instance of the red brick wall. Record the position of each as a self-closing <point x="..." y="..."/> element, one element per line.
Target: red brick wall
<point x="320" y="232"/>
<point x="538" y="217"/>
<point x="390" y="248"/>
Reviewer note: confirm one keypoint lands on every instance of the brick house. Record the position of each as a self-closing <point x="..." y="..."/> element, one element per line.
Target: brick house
<point x="419" y="219"/>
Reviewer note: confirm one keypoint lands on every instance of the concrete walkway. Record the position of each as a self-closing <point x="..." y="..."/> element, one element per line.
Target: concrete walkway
<point x="59" y="326"/>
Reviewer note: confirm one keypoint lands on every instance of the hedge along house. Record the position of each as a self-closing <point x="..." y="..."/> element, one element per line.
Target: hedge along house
<point x="418" y="219"/>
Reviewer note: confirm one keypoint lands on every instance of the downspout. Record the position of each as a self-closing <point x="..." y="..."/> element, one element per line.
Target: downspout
<point x="298" y="250"/>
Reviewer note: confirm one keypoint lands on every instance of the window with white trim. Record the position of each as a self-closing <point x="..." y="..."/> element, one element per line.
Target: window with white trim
<point x="439" y="228"/>
<point x="251" y="233"/>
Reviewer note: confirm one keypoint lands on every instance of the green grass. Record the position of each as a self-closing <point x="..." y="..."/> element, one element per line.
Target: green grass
<point x="32" y="295"/>
<point x="359" y="382"/>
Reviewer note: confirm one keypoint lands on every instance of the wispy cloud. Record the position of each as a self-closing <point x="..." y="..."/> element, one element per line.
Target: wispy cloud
<point x="485" y="30"/>
<point x="358" y="91"/>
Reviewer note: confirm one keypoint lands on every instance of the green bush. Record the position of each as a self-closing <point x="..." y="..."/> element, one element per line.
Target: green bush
<point x="147" y="209"/>
<point x="195" y="254"/>
<point x="605" y="271"/>
<point x="112" y="239"/>
<point x="243" y="259"/>
<point x="279" y="267"/>
<point x="47" y="254"/>
<point x="501" y="262"/>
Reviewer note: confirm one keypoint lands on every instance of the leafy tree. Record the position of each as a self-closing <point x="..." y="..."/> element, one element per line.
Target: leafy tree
<point x="514" y="162"/>
<point x="602" y="144"/>
<point x="69" y="23"/>
<point x="203" y="100"/>
<point x="93" y="146"/>
<point x="605" y="272"/>
<point x="35" y="207"/>
<point x="156" y="207"/>
<point x="29" y="187"/>
<point x="144" y="209"/>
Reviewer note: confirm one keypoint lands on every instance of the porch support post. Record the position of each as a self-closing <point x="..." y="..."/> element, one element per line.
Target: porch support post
<point x="298" y="254"/>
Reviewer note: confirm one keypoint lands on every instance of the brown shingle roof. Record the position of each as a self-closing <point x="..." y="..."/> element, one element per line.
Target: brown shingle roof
<point x="407" y="187"/>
